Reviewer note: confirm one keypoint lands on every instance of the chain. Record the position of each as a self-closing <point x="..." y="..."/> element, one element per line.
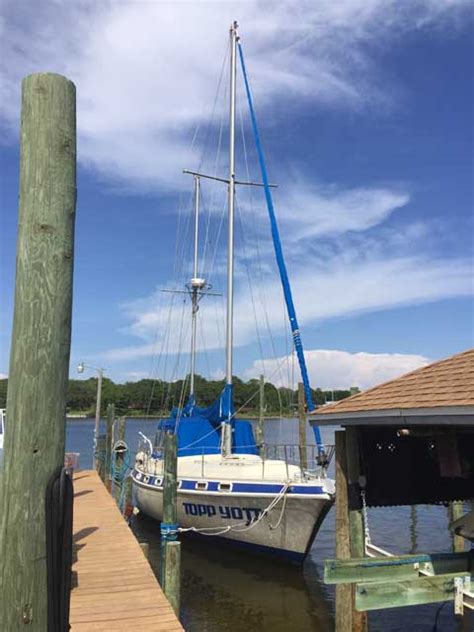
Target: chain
<point x="365" y="513"/>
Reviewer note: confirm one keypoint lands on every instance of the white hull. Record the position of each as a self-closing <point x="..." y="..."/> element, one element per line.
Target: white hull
<point x="234" y="513"/>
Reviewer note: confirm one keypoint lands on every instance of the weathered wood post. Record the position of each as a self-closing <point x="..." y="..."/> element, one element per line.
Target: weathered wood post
<point x="119" y="481"/>
<point x="170" y="559"/>
<point x="108" y="445"/>
<point x="145" y="547"/>
<point x="100" y="455"/>
<point x="121" y="428"/>
<point x="344" y="601"/>
<point x="302" y="426"/>
<point x="172" y="569"/>
<point x="356" y="520"/>
<point x="456" y="511"/>
<point x="260" y="435"/>
<point x="100" y="376"/>
<point x="39" y="360"/>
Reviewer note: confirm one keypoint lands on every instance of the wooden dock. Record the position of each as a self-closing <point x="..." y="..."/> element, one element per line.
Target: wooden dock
<point x="114" y="587"/>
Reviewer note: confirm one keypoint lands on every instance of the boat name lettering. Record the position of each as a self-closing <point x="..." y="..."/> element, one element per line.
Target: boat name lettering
<point x="229" y="513"/>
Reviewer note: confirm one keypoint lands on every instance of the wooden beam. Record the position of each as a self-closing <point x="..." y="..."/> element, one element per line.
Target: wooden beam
<point x="396" y="567"/>
<point x="39" y="359"/>
<point x="411" y="592"/>
<point x="344" y="602"/>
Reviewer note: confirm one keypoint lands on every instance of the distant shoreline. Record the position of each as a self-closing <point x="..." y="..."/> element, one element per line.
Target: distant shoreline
<point x="84" y="417"/>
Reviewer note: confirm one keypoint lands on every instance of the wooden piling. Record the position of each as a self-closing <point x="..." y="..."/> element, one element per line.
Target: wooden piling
<point x="145" y="547"/>
<point x="170" y="480"/>
<point x="118" y="459"/>
<point x="39" y="360"/>
<point x="259" y="431"/>
<point x="302" y="426"/>
<point x="170" y="550"/>
<point x="172" y="570"/>
<point x="344" y="600"/>
<point x="356" y="520"/>
<point x="456" y="510"/>
<point x="121" y="428"/>
<point x="127" y="506"/>
<point x="100" y="456"/>
<point x="108" y="445"/>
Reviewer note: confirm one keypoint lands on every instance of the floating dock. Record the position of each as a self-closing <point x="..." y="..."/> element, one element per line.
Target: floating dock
<point x="114" y="587"/>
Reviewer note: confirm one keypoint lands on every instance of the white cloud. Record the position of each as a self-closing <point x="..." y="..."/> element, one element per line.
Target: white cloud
<point x="307" y="210"/>
<point x="146" y="71"/>
<point x="333" y="369"/>
<point x="136" y="375"/>
<point x="3" y="376"/>
<point x="336" y="289"/>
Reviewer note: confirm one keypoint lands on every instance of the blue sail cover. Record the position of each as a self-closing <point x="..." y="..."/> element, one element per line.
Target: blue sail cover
<point x="199" y="429"/>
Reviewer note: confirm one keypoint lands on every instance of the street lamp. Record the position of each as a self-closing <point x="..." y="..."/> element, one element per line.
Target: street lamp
<point x="100" y="372"/>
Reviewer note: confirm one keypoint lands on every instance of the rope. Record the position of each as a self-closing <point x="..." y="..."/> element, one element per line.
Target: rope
<point x="365" y="514"/>
<point x="245" y="526"/>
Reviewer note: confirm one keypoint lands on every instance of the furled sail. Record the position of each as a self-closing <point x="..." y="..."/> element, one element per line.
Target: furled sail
<point x="279" y="254"/>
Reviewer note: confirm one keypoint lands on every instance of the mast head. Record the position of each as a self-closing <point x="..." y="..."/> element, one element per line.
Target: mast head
<point x="197" y="284"/>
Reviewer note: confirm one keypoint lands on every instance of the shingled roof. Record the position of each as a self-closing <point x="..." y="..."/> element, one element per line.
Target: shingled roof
<point x="442" y="388"/>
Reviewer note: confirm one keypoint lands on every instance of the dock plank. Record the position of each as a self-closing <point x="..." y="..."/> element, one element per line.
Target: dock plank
<point x="114" y="586"/>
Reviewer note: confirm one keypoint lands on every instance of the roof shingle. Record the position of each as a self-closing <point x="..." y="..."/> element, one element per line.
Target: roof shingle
<point x="445" y="383"/>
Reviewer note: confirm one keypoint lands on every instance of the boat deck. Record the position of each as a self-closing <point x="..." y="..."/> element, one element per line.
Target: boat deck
<point x="114" y="587"/>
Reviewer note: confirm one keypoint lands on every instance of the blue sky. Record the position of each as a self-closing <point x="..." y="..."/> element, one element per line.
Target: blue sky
<point x="366" y="110"/>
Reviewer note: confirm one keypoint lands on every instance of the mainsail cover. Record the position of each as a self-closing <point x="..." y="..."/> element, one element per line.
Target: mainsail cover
<point x="199" y="429"/>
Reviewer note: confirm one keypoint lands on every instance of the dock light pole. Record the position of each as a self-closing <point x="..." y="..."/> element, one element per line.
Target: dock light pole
<point x="100" y="373"/>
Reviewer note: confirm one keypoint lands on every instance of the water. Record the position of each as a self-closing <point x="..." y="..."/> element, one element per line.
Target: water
<point x="227" y="591"/>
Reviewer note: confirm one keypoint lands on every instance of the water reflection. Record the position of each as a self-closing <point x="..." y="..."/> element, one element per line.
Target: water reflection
<point x="413" y="529"/>
<point x="227" y="591"/>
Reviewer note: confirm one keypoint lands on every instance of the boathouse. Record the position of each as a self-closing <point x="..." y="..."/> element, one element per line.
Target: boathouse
<point x="408" y="441"/>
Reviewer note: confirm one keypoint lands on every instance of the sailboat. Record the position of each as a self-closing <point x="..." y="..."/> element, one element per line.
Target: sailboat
<point x="228" y="489"/>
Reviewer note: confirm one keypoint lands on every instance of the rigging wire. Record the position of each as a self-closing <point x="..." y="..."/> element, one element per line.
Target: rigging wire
<point x="260" y="277"/>
<point x="179" y="258"/>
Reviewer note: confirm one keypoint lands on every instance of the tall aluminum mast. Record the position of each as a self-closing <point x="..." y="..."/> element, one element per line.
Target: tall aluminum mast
<point x="196" y="284"/>
<point x="230" y="233"/>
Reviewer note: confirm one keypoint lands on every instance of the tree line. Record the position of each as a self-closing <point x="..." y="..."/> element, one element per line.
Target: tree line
<point x="157" y="397"/>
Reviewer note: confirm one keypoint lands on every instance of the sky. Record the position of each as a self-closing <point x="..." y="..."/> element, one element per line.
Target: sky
<point x="365" y="109"/>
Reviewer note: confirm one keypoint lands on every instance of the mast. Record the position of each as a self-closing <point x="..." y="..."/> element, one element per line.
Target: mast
<point x="194" y="284"/>
<point x="230" y="233"/>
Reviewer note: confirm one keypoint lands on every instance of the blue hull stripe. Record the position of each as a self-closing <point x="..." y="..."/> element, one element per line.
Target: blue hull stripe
<point x="213" y="486"/>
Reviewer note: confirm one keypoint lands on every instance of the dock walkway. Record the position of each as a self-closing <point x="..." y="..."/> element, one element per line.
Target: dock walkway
<point x="114" y="587"/>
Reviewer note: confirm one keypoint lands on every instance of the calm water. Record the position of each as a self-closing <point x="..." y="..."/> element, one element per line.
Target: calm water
<point x="225" y="591"/>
